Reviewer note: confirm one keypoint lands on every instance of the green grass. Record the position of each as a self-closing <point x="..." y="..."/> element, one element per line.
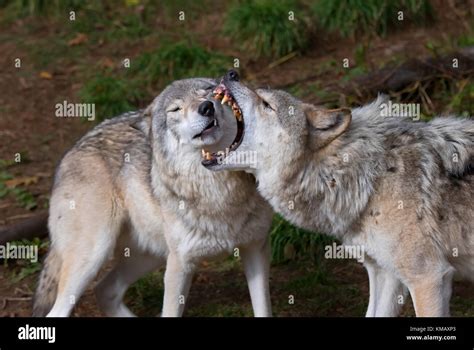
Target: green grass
<point x="353" y="17"/>
<point x="319" y="292"/>
<point x="111" y="95"/>
<point x="125" y="89"/>
<point x="24" y="268"/>
<point x="263" y="27"/>
<point x="23" y="197"/>
<point x="458" y="96"/>
<point x="145" y="297"/>
<point x="41" y="7"/>
<point x="217" y="309"/>
<point x="292" y="243"/>
<point x="179" y="60"/>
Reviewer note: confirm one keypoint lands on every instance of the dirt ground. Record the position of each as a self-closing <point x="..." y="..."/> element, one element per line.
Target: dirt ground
<point x="28" y="126"/>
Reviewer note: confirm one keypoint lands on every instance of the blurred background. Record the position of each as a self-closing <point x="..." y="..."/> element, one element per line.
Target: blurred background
<point x="329" y="52"/>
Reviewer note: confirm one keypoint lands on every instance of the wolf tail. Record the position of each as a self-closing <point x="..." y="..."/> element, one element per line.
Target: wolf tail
<point x="46" y="291"/>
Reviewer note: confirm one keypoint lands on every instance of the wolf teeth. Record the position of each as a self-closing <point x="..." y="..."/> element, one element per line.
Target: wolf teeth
<point x="206" y="155"/>
<point x="225" y="99"/>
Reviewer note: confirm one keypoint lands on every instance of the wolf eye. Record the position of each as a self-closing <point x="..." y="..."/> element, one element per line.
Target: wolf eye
<point x="174" y="109"/>
<point x="267" y="105"/>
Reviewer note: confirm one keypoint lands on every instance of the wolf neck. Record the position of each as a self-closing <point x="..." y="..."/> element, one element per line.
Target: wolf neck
<point x="329" y="189"/>
<point x="177" y="172"/>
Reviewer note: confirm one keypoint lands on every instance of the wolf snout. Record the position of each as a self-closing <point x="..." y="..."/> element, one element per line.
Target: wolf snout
<point x="206" y="109"/>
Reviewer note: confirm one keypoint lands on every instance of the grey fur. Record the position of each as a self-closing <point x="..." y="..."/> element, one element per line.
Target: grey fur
<point x="402" y="190"/>
<point x="138" y="184"/>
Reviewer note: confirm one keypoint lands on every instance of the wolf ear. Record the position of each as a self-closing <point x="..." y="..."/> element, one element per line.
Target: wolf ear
<point x="326" y="124"/>
<point x="143" y="123"/>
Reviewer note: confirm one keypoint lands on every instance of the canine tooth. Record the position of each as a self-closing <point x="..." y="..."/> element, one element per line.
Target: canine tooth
<point x="239" y="117"/>
<point x="215" y="122"/>
<point x="208" y="156"/>
<point x="225" y="99"/>
<point x="203" y="152"/>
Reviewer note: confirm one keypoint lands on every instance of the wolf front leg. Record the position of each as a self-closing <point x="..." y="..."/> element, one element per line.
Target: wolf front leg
<point x="431" y="292"/>
<point x="178" y="278"/>
<point x="387" y="293"/>
<point x="256" y="261"/>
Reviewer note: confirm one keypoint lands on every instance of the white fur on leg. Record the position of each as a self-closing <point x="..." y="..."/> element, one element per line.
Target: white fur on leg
<point x="256" y="261"/>
<point x="177" y="283"/>
<point x="389" y="302"/>
<point x="111" y="290"/>
<point x="385" y="292"/>
<point x="372" y="270"/>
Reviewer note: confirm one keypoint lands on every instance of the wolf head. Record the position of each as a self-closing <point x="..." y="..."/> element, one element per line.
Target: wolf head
<point x="187" y="120"/>
<point x="277" y="127"/>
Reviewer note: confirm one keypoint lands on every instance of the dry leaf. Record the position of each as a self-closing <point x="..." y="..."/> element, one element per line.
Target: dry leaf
<point x="27" y="180"/>
<point x="23" y="83"/>
<point x="202" y="278"/>
<point x="45" y="75"/>
<point x="79" y="39"/>
<point x="107" y="63"/>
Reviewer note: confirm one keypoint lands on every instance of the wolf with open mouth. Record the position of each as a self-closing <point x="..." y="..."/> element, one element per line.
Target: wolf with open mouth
<point x="135" y="184"/>
<point x="402" y="190"/>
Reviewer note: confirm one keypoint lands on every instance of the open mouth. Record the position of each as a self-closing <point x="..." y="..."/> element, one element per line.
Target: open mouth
<point x="208" y="129"/>
<point x="222" y="94"/>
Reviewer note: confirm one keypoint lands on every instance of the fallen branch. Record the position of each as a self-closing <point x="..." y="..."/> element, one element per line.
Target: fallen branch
<point x="392" y="79"/>
<point x="400" y="77"/>
<point x="36" y="226"/>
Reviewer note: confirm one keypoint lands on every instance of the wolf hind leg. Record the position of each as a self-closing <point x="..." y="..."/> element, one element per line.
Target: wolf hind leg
<point x="81" y="260"/>
<point x="111" y="289"/>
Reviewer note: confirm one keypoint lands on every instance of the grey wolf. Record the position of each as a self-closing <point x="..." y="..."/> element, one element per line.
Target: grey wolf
<point x="402" y="190"/>
<point x="134" y="185"/>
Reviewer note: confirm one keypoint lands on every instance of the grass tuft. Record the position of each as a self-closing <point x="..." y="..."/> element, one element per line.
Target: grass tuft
<point x="115" y="92"/>
<point x="263" y="27"/>
<point x="292" y="243"/>
<point x="111" y="95"/>
<point x="354" y="17"/>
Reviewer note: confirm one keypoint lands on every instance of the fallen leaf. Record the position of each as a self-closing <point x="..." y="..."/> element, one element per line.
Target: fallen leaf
<point x="202" y="278"/>
<point x="23" y="83"/>
<point x="107" y="63"/>
<point x="45" y="75"/>
<point x="27" y="180"/>
<point x="79" y="39"/>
